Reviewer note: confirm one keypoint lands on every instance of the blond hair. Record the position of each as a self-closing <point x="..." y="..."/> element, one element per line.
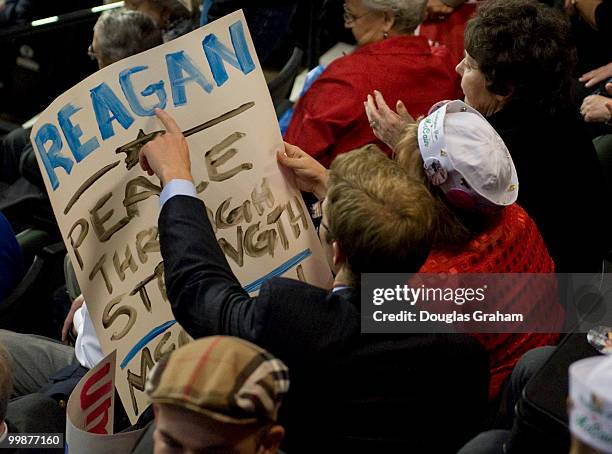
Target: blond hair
<point x="379" y="215"/>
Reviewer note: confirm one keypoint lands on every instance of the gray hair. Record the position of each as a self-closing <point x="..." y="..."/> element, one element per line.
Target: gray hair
<point x="121" y="33"/>
<point x="408" y="13"/>
<point x="6" y="381"/>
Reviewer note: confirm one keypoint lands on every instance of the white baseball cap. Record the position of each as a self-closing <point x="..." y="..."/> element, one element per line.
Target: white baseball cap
<point x="590" y="392"/>
<point x="465" y="157"/>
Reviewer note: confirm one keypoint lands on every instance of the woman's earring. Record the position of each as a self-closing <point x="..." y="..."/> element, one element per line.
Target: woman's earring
<point x="385" y="35"/>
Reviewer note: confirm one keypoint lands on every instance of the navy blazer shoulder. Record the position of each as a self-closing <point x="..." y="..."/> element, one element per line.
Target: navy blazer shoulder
<point x="290" y="318"/>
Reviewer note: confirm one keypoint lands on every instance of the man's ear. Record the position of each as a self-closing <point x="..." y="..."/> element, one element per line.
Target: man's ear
<point x="339" y="257"/>
<point x="272" y="440"/>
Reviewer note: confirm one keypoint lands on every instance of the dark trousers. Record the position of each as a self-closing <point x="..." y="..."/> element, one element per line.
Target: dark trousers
<point x="499" y="440"/>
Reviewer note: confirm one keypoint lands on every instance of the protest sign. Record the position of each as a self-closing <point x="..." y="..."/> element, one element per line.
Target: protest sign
<point x="90" y="412"/>
<point x="87" y="144"/>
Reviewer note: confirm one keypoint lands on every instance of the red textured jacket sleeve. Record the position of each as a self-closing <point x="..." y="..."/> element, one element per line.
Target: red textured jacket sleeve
<point x="325" y="113"/>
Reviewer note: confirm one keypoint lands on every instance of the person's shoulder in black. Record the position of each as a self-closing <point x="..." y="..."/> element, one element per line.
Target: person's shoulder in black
<point x="288" y="317"/>
<point x="561" y="183"/>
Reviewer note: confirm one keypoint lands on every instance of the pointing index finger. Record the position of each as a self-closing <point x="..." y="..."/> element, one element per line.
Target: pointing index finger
<point x="167" y="120"/>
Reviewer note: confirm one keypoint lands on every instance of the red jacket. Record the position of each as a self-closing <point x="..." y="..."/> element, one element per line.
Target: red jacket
<point x="449" y="32"/>
<point x="513" y="245"/>
<point x="330" y="118"/>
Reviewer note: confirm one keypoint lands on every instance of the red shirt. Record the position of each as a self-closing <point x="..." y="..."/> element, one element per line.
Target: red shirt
<point x="513" y="245"/>
<point x="330" y="118"/>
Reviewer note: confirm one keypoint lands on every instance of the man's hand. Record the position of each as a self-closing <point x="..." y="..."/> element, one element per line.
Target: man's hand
<point x="167" y="156"/>
<point x="597" y="75"/>
<point x="76" y="304"/>
<point x="386" y="124"/>
<point x="594" y="109"/>
<point x="310" y="175"/>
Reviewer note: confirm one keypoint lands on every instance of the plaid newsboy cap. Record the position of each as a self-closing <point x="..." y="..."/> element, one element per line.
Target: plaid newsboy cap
<point x="225" y="378"/>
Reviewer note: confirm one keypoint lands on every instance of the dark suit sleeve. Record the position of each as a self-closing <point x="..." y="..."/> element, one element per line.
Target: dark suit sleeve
<point x="206" y="297"/>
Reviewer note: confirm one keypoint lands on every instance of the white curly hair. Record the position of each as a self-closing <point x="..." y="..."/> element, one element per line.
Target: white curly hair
<point x="408" y="13"/>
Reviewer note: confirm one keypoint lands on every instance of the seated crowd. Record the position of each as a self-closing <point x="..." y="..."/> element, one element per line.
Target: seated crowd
<point x="513" y="181"/>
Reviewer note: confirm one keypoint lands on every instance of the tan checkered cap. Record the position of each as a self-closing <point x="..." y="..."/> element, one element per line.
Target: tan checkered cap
<point x="224" y="378"/>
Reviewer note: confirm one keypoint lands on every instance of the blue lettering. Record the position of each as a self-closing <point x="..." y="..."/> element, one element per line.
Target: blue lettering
<point x="104" y="103"/>
<point x="177" y="63"/>
<point x="73" y="133"/>
<point x="217" y="53"/>
<point x="130" y="94"/>
<point x="51" y="158"/>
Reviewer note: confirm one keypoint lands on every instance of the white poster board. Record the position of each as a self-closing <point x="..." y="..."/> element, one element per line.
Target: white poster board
<point x="87" y="145"/>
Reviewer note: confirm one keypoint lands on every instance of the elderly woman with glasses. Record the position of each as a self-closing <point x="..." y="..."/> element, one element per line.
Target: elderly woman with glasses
<point x="329" y="119"/>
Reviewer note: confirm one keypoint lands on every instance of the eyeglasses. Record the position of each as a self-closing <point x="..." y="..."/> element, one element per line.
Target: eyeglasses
<point x="350" y="18"/>
<point x="91" y="53"/>
<point x="322" y="224"/>
<point x="316" y="212"/>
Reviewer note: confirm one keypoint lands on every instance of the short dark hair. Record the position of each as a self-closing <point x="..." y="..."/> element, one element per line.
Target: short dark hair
<point x="175" y="9"/>
<point x="380" y="216"/>
<point x="525" y="51"/>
